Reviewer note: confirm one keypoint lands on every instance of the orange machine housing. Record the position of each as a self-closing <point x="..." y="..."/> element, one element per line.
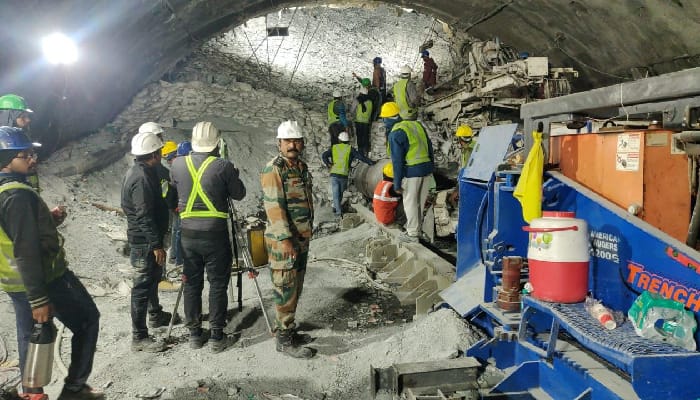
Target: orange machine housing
<point x="603" y="163"/>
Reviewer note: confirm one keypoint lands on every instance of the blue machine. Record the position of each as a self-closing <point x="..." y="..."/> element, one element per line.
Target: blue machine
<point x="552" y="350"/>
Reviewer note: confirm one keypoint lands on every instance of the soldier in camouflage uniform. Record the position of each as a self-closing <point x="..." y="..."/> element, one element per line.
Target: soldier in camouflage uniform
<point x="286" y="184"/>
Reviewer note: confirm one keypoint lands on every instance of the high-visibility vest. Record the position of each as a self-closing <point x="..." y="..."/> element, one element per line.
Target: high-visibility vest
<point x="383" y="203"/>
<point x="197" y="190"/>
<point x="364" y="116"/>
<point x="341" y="159"/>
<point x="418" y="152"/>
<point x="401" y="97"/>
<point x="10" y="278"/>
<point x="332" y="116"/>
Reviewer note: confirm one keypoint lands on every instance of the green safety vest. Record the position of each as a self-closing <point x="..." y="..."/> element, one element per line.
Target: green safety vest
<point x="467" y="152"/>
<point x="10" y="278"/>
<point x="341" y="159"/>
<point x="211" y="211"/>
<point x="417" y="142"/>
<point x="364" y="117"/>
<point x="401" y="97"/>
<point x="332" y="116"/>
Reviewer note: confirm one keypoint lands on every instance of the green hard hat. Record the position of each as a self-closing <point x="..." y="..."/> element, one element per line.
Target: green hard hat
<point x="13" y="102"/>
<point x="365" y="82"/>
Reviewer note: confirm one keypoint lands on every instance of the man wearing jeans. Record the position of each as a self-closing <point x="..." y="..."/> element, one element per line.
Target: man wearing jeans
<point x="33" y="269"/>
<point x="205" y="184"/>
<point x="338" y="158"/>
<point x="147" y="218"/>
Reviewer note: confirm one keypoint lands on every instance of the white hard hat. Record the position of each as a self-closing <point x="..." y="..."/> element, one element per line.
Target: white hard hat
<point x="343" y="137"/>
<point x="205" y="137"/>
<point x="405" y="70"/>
<point x="151" y="127"/>
<point x="289" y="130"/>
<point x="145" y="143"/>
<point x="336" y="94"/>
<point x="363" y="90"/>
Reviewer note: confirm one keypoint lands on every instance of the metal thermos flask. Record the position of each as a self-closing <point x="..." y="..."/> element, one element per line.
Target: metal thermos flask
<point x="37" y="370"/>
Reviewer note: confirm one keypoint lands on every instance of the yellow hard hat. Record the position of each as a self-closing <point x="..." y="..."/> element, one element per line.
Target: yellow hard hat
<point x="464" y="131"/>
<point x="389" y="110"/>
<point x="388" y="170"/>
<point x="168" y="147"/>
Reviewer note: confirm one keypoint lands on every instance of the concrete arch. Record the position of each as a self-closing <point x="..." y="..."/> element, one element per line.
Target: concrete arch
<point x="132" y="43"/>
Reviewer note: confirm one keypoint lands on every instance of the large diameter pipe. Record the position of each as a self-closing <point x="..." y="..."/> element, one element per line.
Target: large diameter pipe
<point x="367" y="176"/>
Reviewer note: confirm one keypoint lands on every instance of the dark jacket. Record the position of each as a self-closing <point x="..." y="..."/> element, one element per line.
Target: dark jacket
<point x="219" y="182"/>
<point x="38" y="247"/>
<point x="147" y="214"/>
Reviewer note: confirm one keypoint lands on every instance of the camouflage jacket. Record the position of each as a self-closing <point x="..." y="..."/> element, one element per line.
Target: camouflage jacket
<point x="287" y="199"/>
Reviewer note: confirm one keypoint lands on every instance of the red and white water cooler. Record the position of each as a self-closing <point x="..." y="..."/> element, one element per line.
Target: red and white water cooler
<point x="558" y="257"/>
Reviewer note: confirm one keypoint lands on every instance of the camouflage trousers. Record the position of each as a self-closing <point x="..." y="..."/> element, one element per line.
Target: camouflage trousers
<point x="287" y="278"/>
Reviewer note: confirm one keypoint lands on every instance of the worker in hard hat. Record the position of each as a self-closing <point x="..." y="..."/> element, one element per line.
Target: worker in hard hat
<point x="466" y="142"/>
<point x="373" y="94"/>
<point x="205" y="182"/>
<point x="337" y="116"/>
<point x="34" y="270"/>
<point x="429" y="70"/>
<point x="386" y="203"/>
<point x="406" y="95"/>
<point x="364" y="109"/>
<point x="183" y="148"/>
<point x="147" y="217"/>
<point x="411" y="153"/>
<point x="15" y="113"/>
<point x="167" y="189"/>
<point x="379" y="78"/>
<point x="288" y="201"/>
<point x="339" y="158"/>
<point x="169" y="153"/>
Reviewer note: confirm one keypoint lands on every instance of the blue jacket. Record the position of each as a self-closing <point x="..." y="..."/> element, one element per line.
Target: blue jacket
<point x="398" y="143"/>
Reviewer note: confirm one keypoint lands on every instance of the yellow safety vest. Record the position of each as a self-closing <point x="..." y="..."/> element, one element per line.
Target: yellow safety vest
<point x="341" y="159"/>
<point x="332" y="116"/>
<point x="10" y="278"/>
<point x="364" y="117"/>
<point x="401" y="97"/>
<point x="211" y="211"/>
<point x="417" y="142"/>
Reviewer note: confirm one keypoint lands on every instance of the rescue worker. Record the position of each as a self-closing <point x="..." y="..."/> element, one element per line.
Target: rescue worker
<point x="466" y="142"/>
<point x="168" y="153"/>
<point x="429" y="70"/>
<point x="288" y="201"/>
<point x="15" y="113"/>
<point x="406" y="95"/>
<point x="411" y="154"/>
<point x="372" y="93"/>
<point x="363" y="121"/>
<point x="183" y="148"/>
<point x="386" y="201"/>
<point x="337" y="118"/>
<point x="205" y="183"/>
<point x="33" y="269"/>
<point x="167" y="189"/>
<point x="147" y="220"/>
<point x="379" y="77"/>
<point x="339" y="158"/>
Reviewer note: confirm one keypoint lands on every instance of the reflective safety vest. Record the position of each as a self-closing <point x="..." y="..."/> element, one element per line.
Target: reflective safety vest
<point x="341" y="159"/>
<point x="383" y="204"/>
<point x="332" y="116"/>
<point x="418" y="152"/>
<point x="401" y="97"/>
<point x="197" y="191"/>
<point x="365" y="116"/>
<point x="10" y="278"/>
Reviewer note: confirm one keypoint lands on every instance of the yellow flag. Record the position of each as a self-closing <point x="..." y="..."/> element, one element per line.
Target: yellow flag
<point x="529" y="188"/>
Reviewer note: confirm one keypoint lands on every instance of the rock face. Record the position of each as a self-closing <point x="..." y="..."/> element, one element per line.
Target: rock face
<point x="126" y="45"/>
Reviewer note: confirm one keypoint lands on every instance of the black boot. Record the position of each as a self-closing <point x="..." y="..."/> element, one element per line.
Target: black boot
<point x="285" y="344"/>
<point x="299" y="339"/>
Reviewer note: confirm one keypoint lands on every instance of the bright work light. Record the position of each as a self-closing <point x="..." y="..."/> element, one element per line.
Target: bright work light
<point x="59" y="49"/>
